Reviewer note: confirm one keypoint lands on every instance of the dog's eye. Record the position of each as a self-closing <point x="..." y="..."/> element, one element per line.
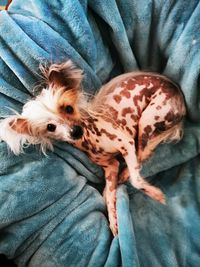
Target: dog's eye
<point x="51" y="127"/>
<point x="69" y="109"/>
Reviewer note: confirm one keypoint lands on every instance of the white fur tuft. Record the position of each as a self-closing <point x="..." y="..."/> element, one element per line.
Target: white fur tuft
<point x="18" y="141"/>
<point x="14" y="140"/>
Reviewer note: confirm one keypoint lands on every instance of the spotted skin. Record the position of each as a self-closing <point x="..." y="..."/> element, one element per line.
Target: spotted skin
<point x="137" y="108"/>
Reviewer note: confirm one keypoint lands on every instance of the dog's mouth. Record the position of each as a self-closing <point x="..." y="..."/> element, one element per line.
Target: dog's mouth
<point x="76" y="132"/>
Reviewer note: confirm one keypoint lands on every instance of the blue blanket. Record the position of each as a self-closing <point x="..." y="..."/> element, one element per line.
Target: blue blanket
<point x="51" y="209"/>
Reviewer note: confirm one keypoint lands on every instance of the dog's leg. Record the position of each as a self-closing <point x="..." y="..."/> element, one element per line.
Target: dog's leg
<point x="111" y="173"/>
<point x="136" y="179"/>
<point x="124" y="176"/>
<point x="158" y="123"/>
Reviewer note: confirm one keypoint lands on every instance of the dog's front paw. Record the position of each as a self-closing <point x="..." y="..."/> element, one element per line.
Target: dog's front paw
<point x="113" y="222"/>
<point x="112" y="212"/>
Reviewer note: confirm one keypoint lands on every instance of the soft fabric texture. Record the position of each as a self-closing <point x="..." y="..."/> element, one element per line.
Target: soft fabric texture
<point x="51" y="209"/>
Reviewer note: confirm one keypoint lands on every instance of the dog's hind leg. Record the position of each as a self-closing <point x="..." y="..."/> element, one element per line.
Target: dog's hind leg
<point x="136" y="179"/>
<point x="157" y="126"/>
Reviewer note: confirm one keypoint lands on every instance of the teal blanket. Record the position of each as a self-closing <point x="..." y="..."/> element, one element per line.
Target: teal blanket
<point x="52" y="213"/>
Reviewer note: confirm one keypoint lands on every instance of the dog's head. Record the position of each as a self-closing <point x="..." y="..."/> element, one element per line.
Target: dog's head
<point x="55" y="114"/>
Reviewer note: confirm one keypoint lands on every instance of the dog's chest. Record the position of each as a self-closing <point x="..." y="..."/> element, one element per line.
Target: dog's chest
<point x="101" y="141"/>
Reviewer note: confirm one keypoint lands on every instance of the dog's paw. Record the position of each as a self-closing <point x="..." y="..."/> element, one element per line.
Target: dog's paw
<point x="113" y="223"/>
<point x="155" y="193"/>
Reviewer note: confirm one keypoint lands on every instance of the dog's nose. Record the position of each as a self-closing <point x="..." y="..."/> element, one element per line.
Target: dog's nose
<point x="76" y="132"/>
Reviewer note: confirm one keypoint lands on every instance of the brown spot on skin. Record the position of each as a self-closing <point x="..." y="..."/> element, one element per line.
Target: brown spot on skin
<point x="91" y="121"/>
<point x="94" y="150"/>
<point x="135" y="127"/>
<point x="129" y="130"/>
<point x="117" y="98"/>
<point x="145" y="136"/>
<point x="85" y="145"/>
<point x="144" y="94"/>
<point x="119" y="123"/>
<point x="147" y="129"/>
<point x="156" y="118"/>
<point x="114" y="113"/>
<point x="104" y="166"/>
<point x="164" y="102"/>
<point x="160" y="127"/>
<point x="154" y="96"/>
<point x="131" y="142"/>
<point x="125" y="93"/>
<point x="170" y="116"/>
<point x="87" y="133"/>
<point x="158" y="107"/>
<point x="109" y="135"/>
<point x="119" y="139"/>
<point x="174" y="118"/>
<point x="97" y="132"/>
<point x="129" y="85"/>
<point x="143" y="141"/>
<point x="111" y="177"/>
<point x="123" y="122"/>
<point x="101" y="150"/>
<point x="126" y="111"/>
<point x="97" y="140"/>
<point x="134" y="117"/>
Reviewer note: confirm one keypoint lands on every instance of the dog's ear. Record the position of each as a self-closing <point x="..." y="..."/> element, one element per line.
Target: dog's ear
<point x="20" y="125"/>
<point x="63" y="75"/>
<point x="15" y="132"/>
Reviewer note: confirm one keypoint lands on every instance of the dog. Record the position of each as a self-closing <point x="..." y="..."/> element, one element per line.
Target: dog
<point x="130" y="115"/>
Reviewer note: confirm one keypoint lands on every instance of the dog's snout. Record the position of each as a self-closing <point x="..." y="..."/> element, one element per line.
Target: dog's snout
<point x="76" y="132"/>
